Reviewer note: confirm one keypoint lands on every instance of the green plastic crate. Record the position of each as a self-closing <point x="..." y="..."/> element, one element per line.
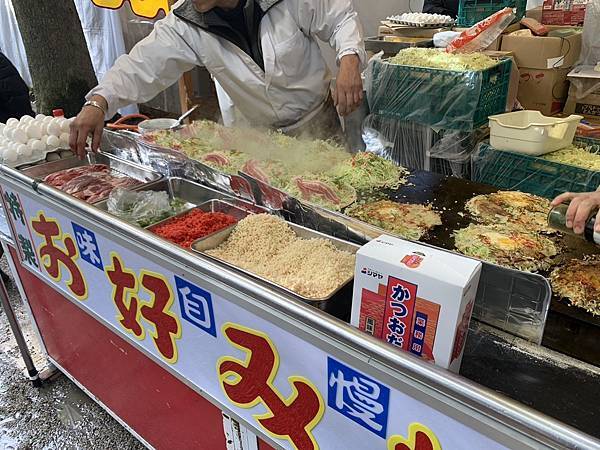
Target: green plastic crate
<point x="472" y="11"/>
<point x="444" y="99"/>
<point x="515" y="171"/>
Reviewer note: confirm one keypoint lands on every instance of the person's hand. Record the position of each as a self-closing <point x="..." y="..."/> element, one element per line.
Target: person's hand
<point x="89" y="121"/>
<point x="348" y="93"/>
<point x="580" y="209"/>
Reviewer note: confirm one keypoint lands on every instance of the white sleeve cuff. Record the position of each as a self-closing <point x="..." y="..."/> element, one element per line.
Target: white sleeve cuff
<point x="361" y="53"/>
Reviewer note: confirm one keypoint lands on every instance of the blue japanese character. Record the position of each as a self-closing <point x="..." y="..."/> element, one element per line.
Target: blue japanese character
<point x="88" y="246"/>
<point x="196" y="306"/>
<point x="358" y="397"/>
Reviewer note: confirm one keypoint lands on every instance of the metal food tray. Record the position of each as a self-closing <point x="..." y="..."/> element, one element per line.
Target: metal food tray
<point x="118" y="167"/>
<point x="175" y="163"/>
<point x="192" y="193"/>
<point x="212" y="206"/>
<point x="214" y="240"/>
<point x="391" y="48"/>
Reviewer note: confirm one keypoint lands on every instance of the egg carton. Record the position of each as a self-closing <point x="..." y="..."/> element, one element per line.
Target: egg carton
<point x="422" y="20"/>
<point x="38" y="158"/>
<point x="424" y="25"/>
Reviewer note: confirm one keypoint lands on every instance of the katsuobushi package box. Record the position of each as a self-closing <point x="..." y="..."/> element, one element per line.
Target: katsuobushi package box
<point x="416" y="298"/>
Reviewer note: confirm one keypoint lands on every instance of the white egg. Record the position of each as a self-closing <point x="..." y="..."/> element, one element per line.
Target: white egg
<point x="40" y="116"/>
<point x="31" y="141"/>
<point x="23" y="150"/>
<point x="53" y="129"/>
<point x="38" y="146"/>
<point x="2" y="127"/>
<point x="22" y="125"/>
<point x="53" y="142"/>
<point x="14" y="145"/>
<point x="26" y="119"/>
<point x="6" y="132"/>
<point x="44" y="139"/>
<point x="64" y="140"/>
<point x="10" y="155"/>
<point x="64" y="125"/>
<point x="9" y="133"/>
<point x="12" y="121"/>
<point x="20" y="136"/>
<point x="34" y="131"/>
<point x="47" y="120"/>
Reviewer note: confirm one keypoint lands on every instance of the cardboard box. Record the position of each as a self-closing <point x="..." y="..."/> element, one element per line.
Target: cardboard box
<point x="564" y="12"/>
<point x="584" y="93"/>
<point x="541" y="52"/>
<point x="417" y="298"/>
<point x="535" y="13"/>
<point x="543" y="90"/>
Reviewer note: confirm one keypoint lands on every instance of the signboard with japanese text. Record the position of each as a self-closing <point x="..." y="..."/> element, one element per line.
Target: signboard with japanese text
<point x="292" y="391"/>
<point x="143" y="8"/>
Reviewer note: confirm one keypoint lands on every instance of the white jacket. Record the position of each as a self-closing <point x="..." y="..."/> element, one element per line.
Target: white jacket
<point x="289" y="92"/>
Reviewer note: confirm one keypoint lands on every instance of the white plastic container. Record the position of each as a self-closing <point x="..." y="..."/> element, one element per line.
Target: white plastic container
<point x="531" y="132"/>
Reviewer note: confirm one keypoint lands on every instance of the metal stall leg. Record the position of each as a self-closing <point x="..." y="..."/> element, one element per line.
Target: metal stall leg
<point x="34" y="375"/>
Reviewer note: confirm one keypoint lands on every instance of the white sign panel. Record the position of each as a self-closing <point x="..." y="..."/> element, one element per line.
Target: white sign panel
<point x="296" y="393"/>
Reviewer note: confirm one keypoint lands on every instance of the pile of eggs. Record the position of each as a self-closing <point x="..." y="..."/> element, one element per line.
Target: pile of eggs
<point x="30" y="138"/>
<point x="422" y="18"/>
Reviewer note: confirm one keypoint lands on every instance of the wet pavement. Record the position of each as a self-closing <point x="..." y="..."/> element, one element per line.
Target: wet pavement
<point x="57" y="416"/>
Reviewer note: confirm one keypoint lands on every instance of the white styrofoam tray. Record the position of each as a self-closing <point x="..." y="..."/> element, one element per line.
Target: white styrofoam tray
<point x="532" y="133"/>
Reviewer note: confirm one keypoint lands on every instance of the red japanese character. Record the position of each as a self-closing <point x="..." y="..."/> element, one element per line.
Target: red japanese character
<point x="419" y="438"/>
<point x="52" y="256"/>
<point x="124" y="284"/>
<point x="157" y="312"/>
<point x="250" y="382"/>
<point x="422" y="442"/>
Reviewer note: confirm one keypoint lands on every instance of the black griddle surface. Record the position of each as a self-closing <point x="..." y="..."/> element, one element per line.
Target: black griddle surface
<point x="545" y="381"/>
<point x="448" y="195"/>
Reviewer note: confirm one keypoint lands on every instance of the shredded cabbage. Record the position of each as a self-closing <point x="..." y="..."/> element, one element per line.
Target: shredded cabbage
<point x="367" y="171"/>
<point x="578" y="156"/>
<point x="436" y="59"/>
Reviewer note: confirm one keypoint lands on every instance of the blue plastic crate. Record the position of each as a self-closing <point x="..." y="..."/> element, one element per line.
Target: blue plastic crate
<point x="472" y="11"/>
<point x="515" y="171"/>
<point x="445" y="99"/>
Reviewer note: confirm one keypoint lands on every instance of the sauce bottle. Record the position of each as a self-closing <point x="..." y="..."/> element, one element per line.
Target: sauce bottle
<point x="557" y="219"/>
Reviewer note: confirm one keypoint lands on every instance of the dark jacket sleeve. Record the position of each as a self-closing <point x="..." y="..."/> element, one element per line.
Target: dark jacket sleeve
<point x="14" y="93"/>
<point x="446" y="7"/>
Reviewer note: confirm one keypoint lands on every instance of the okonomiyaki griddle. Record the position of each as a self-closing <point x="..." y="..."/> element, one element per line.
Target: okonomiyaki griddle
<point x="570" y="330"/>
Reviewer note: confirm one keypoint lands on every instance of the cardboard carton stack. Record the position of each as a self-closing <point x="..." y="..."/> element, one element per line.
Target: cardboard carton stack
<point x="584" y="93"/>
<point x="544" y="63"/>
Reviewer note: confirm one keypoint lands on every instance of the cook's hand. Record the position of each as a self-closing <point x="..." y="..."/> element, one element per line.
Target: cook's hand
<point x="579" y="210"/>
<point x="89" y="121"/>
<point x="348" y="93"/>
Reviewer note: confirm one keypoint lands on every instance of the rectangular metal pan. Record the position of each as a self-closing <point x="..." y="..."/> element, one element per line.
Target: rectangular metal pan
<point x="212" y="206"/>
<point x="119" y="167"/>
<point x="192" y="193"/>
<point x="213" y="241"/>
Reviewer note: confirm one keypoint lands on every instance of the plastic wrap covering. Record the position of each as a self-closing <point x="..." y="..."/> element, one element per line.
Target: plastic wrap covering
<point x="442" y="99"/>
<point x="536" y="175"/>
<point x="481" y="35"/>
<point x="590" y="43"/>
<point x="416" y="146"/>
<point x="171" y="163"/>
